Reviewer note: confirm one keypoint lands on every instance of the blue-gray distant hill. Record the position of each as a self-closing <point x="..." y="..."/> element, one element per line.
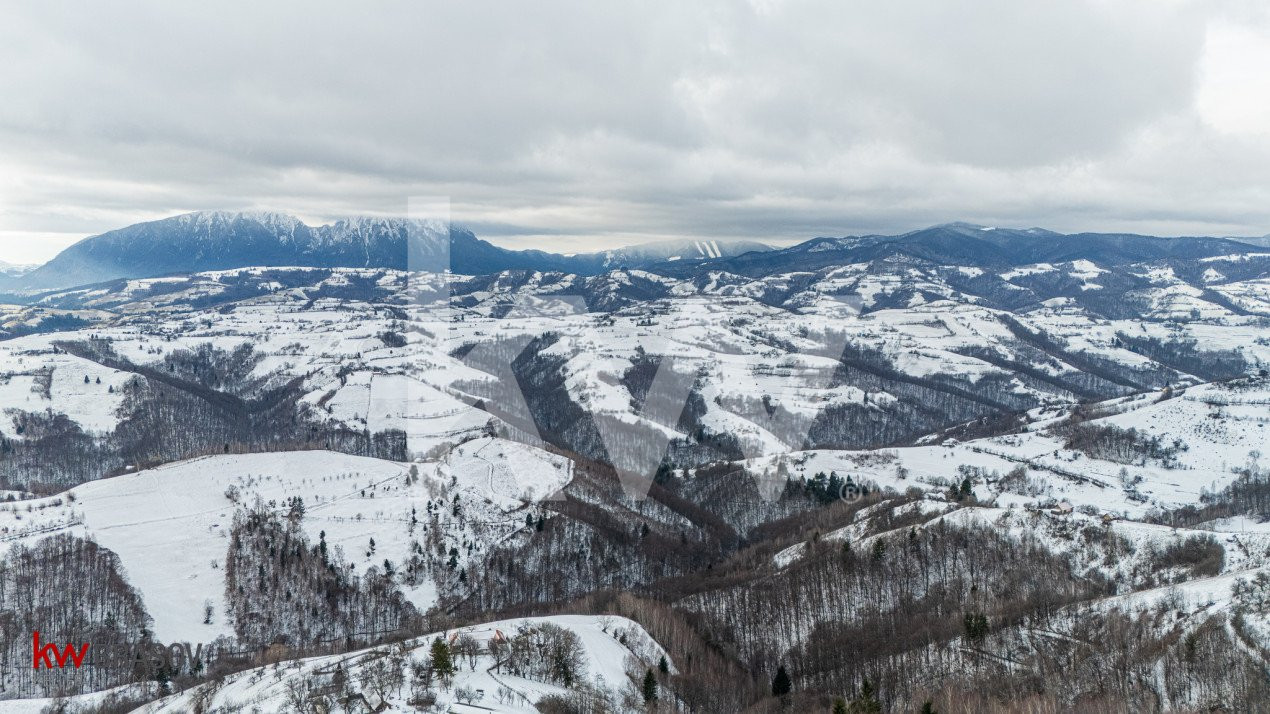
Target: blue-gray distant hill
<point x="198" y="242"/>
<point x="964" y="244"/>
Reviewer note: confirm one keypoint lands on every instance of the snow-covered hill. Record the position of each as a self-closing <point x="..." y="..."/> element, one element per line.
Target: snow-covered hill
<point x="1214" y="431"/>
<point x="764" y="349"/>
<point x="613" y="654"/>
<point x="671" y="251"/>
<point x="170" y="525"/>
<point x="521" y="438"/>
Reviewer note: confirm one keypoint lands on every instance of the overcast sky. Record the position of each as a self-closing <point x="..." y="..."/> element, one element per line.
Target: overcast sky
<point x="575" y="126"/>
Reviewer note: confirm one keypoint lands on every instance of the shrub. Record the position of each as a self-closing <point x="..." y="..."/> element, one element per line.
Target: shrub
<point x="1201" y="554"/>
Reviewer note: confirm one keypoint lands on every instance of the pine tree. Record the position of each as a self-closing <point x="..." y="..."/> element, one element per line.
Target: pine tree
<point x="781" y="685"/>
<point x="929" y="708"/>
<point x="650" y="687"/>
<point x="161" y="674"/>
<point x="879" y="549"/>
<point x="296" y="512"/>
<point x="867" y="702"/>
<point x="339" y="680"/>
<point x="442" y="662"/>
<point x="976" y="624"/>
<point x="663" y="666"/>
<point x="839" y="706"/>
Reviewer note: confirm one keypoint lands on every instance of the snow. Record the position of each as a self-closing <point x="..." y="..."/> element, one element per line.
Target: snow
<point x="145" y="690"/>
<point x="170" y="525"/>
<point x="509" y="474"/>
<point x="1028" y="270"/>
<point x="606" y="658"/>
<point x="722" y="328"/>
<point x="426" y="414"/>
<point x="1234" y="258"/>
<point x="1085" y="270"/>
<point x="742" y="340"/>
<point x="94" y="404"/>
<point x="1214" y="447"/>
<point x="610" y="645"/>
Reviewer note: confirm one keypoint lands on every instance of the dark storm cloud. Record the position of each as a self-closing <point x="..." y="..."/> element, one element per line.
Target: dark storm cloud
<point x="576" y="124"/>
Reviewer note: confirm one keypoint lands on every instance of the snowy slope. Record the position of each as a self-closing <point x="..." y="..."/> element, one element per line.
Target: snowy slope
<point x="613" y="650"/>
<point x="1221" y="430"/>
<point x="748" y="338"/>
<point x="170" y="525"/>
<point x="606" y="656"/>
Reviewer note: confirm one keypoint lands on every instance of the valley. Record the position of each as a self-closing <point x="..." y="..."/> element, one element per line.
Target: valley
<point x="949" y="464"/>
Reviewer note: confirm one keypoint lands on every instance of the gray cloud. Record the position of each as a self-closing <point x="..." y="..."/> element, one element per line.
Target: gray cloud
<point x="572" y="125"/>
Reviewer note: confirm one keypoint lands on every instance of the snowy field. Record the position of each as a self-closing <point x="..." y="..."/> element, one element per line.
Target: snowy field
<point x="170" y="525"/>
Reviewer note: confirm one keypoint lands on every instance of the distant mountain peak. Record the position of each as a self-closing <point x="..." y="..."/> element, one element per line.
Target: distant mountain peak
<point x="12" y="270"/>
<point x="675" y="250"/>
<point x="973" y="245"/>
<point x="212" y="218"/>
<point x="220" y="240"/>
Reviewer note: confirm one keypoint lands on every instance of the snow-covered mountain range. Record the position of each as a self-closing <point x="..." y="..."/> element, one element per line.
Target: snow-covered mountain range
<point x="951" y="462"/>
<point x="9" y="270"/>
<point x="219" y="240"/>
